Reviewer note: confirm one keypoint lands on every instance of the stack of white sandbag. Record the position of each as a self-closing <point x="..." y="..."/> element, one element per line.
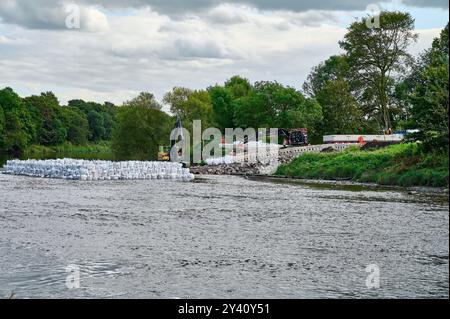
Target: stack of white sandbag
<point x="98" y="170"/>
<point x="228" y="159"/>
<point x="254" y="152"/>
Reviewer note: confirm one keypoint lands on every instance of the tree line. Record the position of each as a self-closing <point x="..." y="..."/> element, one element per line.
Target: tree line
<point x="374" y="86"/>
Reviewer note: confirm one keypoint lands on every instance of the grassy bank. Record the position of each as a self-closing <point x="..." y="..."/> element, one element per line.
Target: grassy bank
<point x="402" y="165"/>
<point x="87" y="150"/>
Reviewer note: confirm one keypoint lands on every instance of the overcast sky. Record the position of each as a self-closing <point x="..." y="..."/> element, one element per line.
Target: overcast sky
<point x="127" y="46"/>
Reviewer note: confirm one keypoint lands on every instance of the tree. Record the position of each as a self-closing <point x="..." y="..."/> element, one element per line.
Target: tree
<point x="238" y="87"/>
<point x="76" y="124"/>
<point x="341" y="112"/>
<point x="224" y="99"/>
<point x="47" y="117"/>
<point x="2" y="128"/>
<point x="190" y="105"/>
<point x="18" y="126"/>
<point x="334" y="68"/>
<point x="146" y="100"/>
<point x="96" y="126"/>
<point x="223" y="106"/>
<point x="271" y="105"/>
<point x="139" y="132"/>
<point x="330" y="85"/>
<point x="429" y="96"/>
<point x="376" y="55"/>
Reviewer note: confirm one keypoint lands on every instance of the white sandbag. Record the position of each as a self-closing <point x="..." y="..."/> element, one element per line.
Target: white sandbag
<point x="85" y="170"/>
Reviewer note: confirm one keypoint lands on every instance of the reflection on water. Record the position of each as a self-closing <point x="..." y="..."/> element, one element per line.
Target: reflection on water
<point x="219" y="237"/>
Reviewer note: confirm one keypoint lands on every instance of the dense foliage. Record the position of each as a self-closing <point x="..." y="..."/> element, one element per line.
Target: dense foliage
<point x="372" y="86"/>
<point x="41" y="120"/>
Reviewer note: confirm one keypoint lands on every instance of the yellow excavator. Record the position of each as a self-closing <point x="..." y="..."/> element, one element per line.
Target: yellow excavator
<point x="164" y="154"/>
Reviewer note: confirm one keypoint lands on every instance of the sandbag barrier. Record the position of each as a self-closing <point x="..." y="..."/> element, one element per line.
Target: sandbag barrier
<point x="85" y="170"/>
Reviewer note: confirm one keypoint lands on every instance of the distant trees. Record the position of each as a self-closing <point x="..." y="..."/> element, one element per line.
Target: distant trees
<point x="191" y="105"/>
<point x="139" y="132"/>
<point x="263" y="105"/>
<point x="272" y="105"/>
<point x="40" y="119"/>
<point x="76" y="124"/>
<point x="146" y="100"/>
<point x="100" y="118"/>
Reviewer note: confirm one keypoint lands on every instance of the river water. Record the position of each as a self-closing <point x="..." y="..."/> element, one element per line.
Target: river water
<point x="219" y="237"/>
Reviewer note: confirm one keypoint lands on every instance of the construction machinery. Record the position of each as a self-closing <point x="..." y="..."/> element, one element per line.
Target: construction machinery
<point x="294" y="137"/>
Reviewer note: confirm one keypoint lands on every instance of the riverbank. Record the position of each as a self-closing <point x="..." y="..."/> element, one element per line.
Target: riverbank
<point x="100" y="151"/>
<point x="102" y="147"/>
<point x="399" y="165"/>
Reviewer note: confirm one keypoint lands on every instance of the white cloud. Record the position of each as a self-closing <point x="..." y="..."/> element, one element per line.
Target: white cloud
<point x="141" y="49"/>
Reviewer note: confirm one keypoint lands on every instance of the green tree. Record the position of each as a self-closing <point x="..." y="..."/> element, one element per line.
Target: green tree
<point x="18" y="127"/>
<point x="334" y="68"/>
<point x="76" y="124"/>
<point x="341" y="112"/>
<point x="272" y="105"/>
<point x="376" y="56"/>
<point x="223" y="106"/>
<point x="2" y="128"/>
<point x="223" y="99"/>
<point x="96" y="126"/>
<point x="146" y="100"/>
<point x="191" y="105"/>
<point x="101" y="118"/>
<point x="139" y="132"/>
<point x="429" y="96"/>
<point x="47" y="118"/>
<point x="329" y="83"/>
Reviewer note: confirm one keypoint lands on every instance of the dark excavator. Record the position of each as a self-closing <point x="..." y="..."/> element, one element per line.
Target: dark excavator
<point x="294" y="137"/>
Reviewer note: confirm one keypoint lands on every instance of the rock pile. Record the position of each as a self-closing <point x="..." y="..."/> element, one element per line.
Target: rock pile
<point x="98" y="170"/>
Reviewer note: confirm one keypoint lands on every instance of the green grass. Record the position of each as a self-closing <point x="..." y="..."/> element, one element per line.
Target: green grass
<point x="101" y="147"/>
<point x="402" y="165"/>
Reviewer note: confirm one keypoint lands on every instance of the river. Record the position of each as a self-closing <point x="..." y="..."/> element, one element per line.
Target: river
<point x="219" y="237"/>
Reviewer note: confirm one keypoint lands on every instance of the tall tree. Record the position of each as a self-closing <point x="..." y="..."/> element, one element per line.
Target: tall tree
<point x="191" y="105"/>
<point x="18" y="126"/>
<point x="429" y="96"/>
<point x="341" y="112"/>
<point x="376" y="56"/>
<point x="146" y="100"/>
<point x="47" y="116"/>
<point x="329" y="83"/>
<point x="76" y="124"/>
<point x="334" y="68"/>
<point x="224" y="98"/>
<point x="139" y="132"/>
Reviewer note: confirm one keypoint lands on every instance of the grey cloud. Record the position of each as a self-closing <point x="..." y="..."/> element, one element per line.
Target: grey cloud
<point x="49" y="14"/>
<point x="427" y="3"/>
<point x="186" y="48"/>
